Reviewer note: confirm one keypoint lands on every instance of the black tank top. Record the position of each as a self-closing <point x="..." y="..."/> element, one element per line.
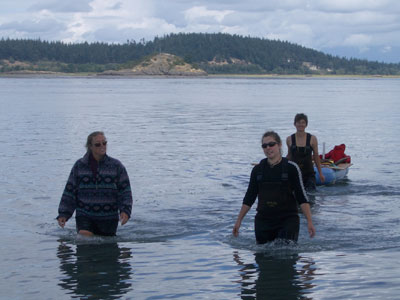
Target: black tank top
<point x="303" y="156"/>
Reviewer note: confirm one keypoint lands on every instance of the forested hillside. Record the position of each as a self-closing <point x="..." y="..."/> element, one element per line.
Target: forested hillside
<point x="215" y="53"/>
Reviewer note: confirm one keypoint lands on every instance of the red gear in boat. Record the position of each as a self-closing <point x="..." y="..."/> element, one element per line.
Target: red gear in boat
<point x="337" y="154"/>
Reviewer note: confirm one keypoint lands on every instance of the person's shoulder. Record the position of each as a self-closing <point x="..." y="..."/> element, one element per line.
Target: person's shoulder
<point x="260" y="164"/>
<point x="79" y="165"/>
<point x="294" y="170"/>
<point x="289" y="139"/>
<point x="111" y="160"/>
<point x="263" y="161"/>
<point x="313" y="139"/>
<point x="82" y="161"/>
<point x="292" y="166"/>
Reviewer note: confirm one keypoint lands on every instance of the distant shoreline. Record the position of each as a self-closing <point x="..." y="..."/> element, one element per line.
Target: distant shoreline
<point x="299" y="76"/>
<point x="45" y="74"/>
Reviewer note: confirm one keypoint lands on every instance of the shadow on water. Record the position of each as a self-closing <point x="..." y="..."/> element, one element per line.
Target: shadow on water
<point x="95" y="271"/>
<point x="271" y="277"/>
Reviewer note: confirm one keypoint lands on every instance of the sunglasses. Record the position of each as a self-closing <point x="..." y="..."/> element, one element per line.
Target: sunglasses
<point x="99" y="144"/>
<point x="270" y="144"/>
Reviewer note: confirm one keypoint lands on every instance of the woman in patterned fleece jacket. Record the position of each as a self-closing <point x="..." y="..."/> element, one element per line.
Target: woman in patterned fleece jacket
<point x="98" y="189"/>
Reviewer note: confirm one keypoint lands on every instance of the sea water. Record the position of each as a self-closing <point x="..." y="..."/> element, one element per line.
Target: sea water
<point x="188" y="145"/>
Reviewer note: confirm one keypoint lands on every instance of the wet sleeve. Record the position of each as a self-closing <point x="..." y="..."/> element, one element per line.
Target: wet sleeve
<point x="297" y="183"/>
<point x="68" y="199"/>
<point x="124" y="192"/>
<point x="252" y="190"/>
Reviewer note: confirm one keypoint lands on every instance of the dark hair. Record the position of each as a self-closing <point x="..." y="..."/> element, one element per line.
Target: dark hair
<point x="300" y="117"/>
<point x="90" y="138"/>
<point x="274" y="135"/>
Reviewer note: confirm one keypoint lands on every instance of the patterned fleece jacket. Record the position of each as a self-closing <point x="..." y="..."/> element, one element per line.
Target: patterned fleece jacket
<point x="102" y="196"/>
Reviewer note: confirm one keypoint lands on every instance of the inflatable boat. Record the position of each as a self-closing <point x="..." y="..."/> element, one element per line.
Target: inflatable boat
<point x="332" y="173"/>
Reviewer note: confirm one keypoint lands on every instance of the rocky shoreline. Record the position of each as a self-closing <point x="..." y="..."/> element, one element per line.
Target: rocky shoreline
<point x="162" y="64"/>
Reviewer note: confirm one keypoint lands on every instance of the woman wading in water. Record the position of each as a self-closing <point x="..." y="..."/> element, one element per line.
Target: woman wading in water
<point x="302" y="149"/>
<point x="278" y="185"/>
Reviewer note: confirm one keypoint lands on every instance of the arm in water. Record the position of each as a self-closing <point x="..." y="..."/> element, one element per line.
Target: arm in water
<point x="305" y="208"/>
<point x="243" y="211"/>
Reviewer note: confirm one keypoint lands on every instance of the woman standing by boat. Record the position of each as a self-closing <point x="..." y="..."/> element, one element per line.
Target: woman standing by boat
<point x="277" y="184"/>
<point x="302" y="148"/>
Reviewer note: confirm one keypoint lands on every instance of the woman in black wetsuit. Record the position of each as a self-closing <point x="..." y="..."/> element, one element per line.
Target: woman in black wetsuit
<point x="302" y="149"/>
<point x="277" y="184"/>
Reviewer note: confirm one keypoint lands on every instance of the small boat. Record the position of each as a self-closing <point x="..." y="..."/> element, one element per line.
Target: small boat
<point x="332" y="173"/>
<point x="332" y="170"/>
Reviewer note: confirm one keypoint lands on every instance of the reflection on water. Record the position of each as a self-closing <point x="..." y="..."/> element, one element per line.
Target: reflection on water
<point x="95" y="271"/>
<point x="272" y="277"/>
<point x="188" y="145"/>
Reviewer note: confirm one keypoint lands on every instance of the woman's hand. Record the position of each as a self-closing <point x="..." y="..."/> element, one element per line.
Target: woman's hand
<point x="62" y="221"/>
<point x="123" y="217"/>
<point x="321" y="177"/>
<point x="235" y="230"/>
<point x="311" y="229"/>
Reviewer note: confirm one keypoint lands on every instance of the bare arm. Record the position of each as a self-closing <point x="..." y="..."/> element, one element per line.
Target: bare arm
<point x="314" y="146"/>
<point x="289" y="144"/>
<point x="243" y="211"/>
<point x="305" y="208"/>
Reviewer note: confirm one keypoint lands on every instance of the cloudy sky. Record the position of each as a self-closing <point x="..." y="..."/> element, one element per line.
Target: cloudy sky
<point x="353" y="28"/>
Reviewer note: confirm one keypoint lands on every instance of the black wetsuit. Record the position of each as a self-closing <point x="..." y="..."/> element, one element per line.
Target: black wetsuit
<point x="302" y="156"/>
<point x="279" y="190"/>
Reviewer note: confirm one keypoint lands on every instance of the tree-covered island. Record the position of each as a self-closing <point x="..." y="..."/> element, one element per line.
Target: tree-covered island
<point x="181" y="55"/>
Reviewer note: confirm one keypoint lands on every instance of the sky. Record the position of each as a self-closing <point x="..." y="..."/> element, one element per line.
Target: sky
<point x="366" y="29"/>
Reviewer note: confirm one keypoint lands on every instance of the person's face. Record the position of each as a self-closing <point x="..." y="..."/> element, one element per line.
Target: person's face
<point x="270" y="147"/>
<point x="301" y="125"/>
<point x="99" y="146"/>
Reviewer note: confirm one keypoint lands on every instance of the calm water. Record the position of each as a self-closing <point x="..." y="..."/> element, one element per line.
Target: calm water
<point x="188" y="145"/>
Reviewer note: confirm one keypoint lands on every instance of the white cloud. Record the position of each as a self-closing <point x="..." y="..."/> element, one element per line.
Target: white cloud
<point x="202" y="14"/>
<point x="62" y="6"/>
<point x="34" y="26"/>
<point x="386" y="49"/>
<point x="112" y="21"/>
<point x="358" y="40"/>
<point x="147" y="29"/>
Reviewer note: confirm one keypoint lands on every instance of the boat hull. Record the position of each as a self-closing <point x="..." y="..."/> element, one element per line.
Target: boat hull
<point x="332" y="174"/>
